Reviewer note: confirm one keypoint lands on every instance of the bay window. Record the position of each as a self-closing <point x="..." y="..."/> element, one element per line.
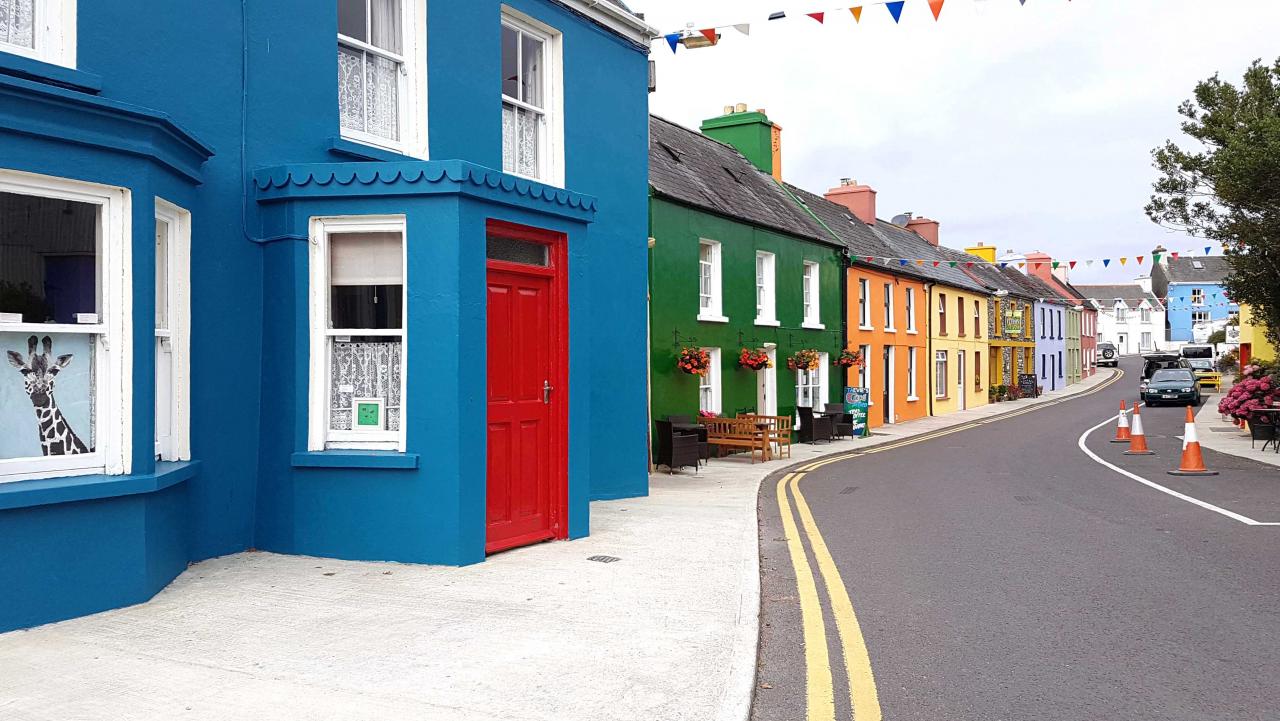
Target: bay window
<point x="531" y="143"/>
<point x="64" y="327"/>
<point x="357" y="312"/>
<point x="381" y="74"/>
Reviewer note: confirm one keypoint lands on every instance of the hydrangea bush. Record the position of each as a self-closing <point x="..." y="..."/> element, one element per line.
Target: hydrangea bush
<point x="1257" y="387"/>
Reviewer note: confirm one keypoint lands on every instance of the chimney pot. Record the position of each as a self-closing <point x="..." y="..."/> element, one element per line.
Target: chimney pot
<point x="740" y="108"/>
<point x="728" y="110"/>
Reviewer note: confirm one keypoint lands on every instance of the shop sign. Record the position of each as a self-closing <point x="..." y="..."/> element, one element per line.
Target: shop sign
<point x="857" y="402"/>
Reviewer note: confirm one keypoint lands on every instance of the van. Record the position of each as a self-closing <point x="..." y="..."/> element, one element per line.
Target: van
<point x="1200" y="358"/>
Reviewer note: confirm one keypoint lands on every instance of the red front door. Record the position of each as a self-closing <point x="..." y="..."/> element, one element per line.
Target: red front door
<point x="526" y="465"/>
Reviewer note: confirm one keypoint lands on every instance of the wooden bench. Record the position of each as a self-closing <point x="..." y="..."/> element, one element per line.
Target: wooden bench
<point x="1211" y="379"/>
<point x="739" y="433"/>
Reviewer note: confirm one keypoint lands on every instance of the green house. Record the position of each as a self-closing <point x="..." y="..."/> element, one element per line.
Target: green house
<point x="736" y="263"/>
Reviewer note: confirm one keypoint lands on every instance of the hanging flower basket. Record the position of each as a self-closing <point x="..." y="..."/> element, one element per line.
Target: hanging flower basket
<point x="804" y="360"/>
<point x="848" y="359"/>
<point x="754" y="359"/>
<point x="694" y="361"/>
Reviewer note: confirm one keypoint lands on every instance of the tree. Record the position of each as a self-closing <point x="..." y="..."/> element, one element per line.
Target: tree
<point x="1228" y="190"/>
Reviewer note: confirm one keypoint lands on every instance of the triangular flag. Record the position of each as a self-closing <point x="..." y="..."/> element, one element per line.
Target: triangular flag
<point x="673" y="39"/>
<point x="857" y="14"/>
<point x="895" y="9"/>
<point x="816" y="16"/>
<point x="936" y="7"/>
<point x="744" y="28"/>
<point x="902" y="261"/>
<point x="1022" y="2"/>
<point x="952" y="263"/>
<point x="1140" y="260"/>
<point x="1123" y="261"/>
<point x="936" y="263"/>
<point x="1021" y="266"/>
<point x="1004" y="265"/>
<point x="1173" y="255"/>
<point x="1072" y="265"/>
<point x="1155" y="259"/>
<point x="1037" y="264"/>
<point x="969" y="264"/>
<point x="710" y="34"/>
<point x="871" y="259"/>
<point x="1106" y="262"/>
<point x="1207" y="248"/>
<point x="1088" y="264"/>
<point x="1056" y="263"/>
<point x="920" y="263"/>
<point x="777" y="16"/>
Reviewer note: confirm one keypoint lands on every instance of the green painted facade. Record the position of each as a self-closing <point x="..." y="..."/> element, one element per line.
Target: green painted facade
<point x="677" y="231"/>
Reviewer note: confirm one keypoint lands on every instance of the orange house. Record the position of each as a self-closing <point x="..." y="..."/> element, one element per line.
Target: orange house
<point x="887" y="326"/>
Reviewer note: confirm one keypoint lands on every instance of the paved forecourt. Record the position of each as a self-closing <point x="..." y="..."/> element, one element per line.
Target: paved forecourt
<point x="999" y="572"/>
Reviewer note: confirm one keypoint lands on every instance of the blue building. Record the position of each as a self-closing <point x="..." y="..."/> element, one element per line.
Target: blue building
<point x="356" y="278"/>
<point x="1196" y="297"/>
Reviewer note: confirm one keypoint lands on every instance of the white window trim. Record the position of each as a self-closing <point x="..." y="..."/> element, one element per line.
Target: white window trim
<point x="819" y="390"/>
<point x="911" y="311"/>
<point x="890" y="326"/>
<point x="553" y="172"/>
<point x="940" y="391"/>
<point x="412" y="91"/>
<point x="712" y="379"/>
<point x="319" y="437"/>
<point x="812" y="283"/>
<point x="715" y="313"/>
<point x="54" y="34"/>
<point x="179" y="277"/>
<point x="767" y="312"/>
<point x="912" y="380"/>
<point x="113" y="426"/>
<point x="864" y="304"/>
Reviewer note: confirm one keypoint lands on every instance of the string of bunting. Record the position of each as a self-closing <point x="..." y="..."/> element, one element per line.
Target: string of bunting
<point x="711" y="33"/>
<point x="1155" y="259"/>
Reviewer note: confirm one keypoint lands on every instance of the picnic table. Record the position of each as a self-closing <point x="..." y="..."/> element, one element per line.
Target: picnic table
<point x="753" y="434"/>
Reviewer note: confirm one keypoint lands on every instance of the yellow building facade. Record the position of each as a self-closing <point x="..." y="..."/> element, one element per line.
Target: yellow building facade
<point x="1253" y="339"/>
<point x="958" y="349"/>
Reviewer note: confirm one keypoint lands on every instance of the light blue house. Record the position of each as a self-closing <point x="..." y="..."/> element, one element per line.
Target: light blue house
<point x="1196" y="296"/>
<point x="352" y="278"/>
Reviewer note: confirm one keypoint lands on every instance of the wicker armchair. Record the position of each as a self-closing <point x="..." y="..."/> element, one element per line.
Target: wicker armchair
<point x="676" y="449"/>
<point x="841" y="422"/>
<point x="813" y="428"/>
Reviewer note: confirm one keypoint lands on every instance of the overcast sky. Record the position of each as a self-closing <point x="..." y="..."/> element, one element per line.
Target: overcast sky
<point x="1025" y="127"/>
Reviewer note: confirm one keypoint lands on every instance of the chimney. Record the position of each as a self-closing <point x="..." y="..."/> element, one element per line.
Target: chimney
<point x="1040" y="265"/>
<point x="925" y="228"/>
<point x="859" y="200"/>
<point x="1144" y="282"/>
<point x="750" y="133"/>
<point x="1061" y="273"/>
<point x="986" y="252"/>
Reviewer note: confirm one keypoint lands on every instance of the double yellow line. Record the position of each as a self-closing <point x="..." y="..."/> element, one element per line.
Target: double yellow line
<point x="819" y="687"/>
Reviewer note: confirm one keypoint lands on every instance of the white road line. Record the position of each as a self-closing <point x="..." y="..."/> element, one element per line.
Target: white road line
<point x="1196" y="501"/>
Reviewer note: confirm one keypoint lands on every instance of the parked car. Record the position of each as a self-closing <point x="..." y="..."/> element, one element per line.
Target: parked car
<point x="1153" y="362"/>
<point x="1108" y="355"/>
<point x="1171" y="385"/>
<point x="1200" y="358"/>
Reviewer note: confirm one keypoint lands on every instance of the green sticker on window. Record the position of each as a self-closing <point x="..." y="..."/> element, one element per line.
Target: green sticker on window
<point x="369" y="415"/>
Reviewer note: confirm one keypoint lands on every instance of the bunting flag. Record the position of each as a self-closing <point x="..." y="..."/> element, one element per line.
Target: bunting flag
<point x="857" y="13"/>
<point x="817" y="16"/>
<point x="1071" y="264"/>
<point x="744" y="28"/>
<point x="1123" y="261"/>
<point x="673" y="39"/>
<point x="710" y="34"/>
<point x="1106" y="262"/>
<point x="936" y="7"/>
<point x="1140" y="260"/>
<point x="895" y="9"/>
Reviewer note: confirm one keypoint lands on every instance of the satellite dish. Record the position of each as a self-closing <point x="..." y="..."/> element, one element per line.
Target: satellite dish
<point x="901" y="219"/>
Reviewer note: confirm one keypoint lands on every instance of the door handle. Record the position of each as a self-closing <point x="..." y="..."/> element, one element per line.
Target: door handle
<point x="546" y="391"/>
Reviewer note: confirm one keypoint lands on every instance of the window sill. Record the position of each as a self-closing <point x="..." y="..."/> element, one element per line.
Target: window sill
<point x="42" y="72"/>
<point x="912" y="399"/>
<point x="813" y="326"/>
<point x="890" y="330"/>
<point x="912" y="331"/>
<point x="67" y="489"/>
<point x="770" y="323"/>
<point x="713" y="318"/>
<point x="351" y="458"/>
<point x="347" y="148"/>
<point x="865" y="327"/>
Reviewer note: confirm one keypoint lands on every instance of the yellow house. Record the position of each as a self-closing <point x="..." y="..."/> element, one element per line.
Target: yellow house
<point x="958" y="349"/>
<point x="1253" y="339"/>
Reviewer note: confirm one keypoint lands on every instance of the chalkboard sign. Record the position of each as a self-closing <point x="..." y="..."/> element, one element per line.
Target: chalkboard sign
<point x="856" y="404"/>
<point x="1028" y="386"/>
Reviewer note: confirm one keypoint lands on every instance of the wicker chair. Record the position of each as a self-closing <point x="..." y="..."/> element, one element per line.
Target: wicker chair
<point x="1262" y="427"/>
<point x="704" y="448"/>
<point x="676" y="449"/>
<point x="841" y="422"/>
<point x="813" y="428"/>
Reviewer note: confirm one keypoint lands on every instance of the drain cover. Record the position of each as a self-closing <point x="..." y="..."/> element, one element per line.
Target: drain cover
<point x="603" y="559"/>
<point x="848" y="490"/>
<point x="1024" y="499"/>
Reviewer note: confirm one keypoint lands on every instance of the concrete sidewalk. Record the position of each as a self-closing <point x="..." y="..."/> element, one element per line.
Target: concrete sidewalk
<point x="666" y="632"/>
<point x="1221" y="435"/>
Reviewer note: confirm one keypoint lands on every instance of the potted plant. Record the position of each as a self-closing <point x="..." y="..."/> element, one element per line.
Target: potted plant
<point x="848" y="359"/>
<point x="804" y="360"/>
<point x="754" y="359"/>
<point x="694" y="361"/>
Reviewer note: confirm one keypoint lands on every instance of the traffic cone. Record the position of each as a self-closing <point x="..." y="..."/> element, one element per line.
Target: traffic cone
<point x="1138" y="439"/>
<point x="1122" y="426"/>
<point x="1192" y="459"/>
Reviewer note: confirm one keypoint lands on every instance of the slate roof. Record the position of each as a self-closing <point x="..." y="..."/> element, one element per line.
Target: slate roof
<point x="689" y="168"/>
<point x="1214" y="269"/>
<point x="1132" y="295"/>
<point x="908" y="244"/>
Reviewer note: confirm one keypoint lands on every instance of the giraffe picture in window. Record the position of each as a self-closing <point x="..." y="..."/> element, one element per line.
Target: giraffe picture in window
<point x="368" y="414"/>
<point x="35" y="422"/>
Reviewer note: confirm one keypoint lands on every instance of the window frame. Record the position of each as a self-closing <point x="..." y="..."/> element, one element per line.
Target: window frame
<point x="411" y="92"/>
<point x="911" y="310"/>
<point x="552" y="141"/>
<point x="178" y="332"/>
<point x="942" y="314"/>
<point x="53" y="40"/>
<point x="319" y="436"/>
<point x="113" y="357"/>
<point x="889" y="325"/>
<point x="1204" y="314"/>
<point x="766" y="289"/>
<point x="912" y="383"/>
<point x="977" y="318"/>
<point x="977" y="370"/>
<point x="941" y="374"/>
<point x="811" y="296"/>
<point x="818" y="382"/>
<point x="1197" y="296"/>
<point x="712" y="382"/>
<point x="714" y="311"/>
<point x="864" y="304"/>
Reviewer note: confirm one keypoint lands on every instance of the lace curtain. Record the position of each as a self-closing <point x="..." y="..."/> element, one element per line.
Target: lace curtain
<point x="369" y="83"/>
<point x="364" y="370"/>
<point x="17" y="22"/>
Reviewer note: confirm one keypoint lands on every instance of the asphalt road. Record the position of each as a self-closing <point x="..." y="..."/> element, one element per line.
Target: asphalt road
<point x="999" y="572"/>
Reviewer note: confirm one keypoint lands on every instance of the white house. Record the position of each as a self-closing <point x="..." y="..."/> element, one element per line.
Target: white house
<point x="1130" y="316"/>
